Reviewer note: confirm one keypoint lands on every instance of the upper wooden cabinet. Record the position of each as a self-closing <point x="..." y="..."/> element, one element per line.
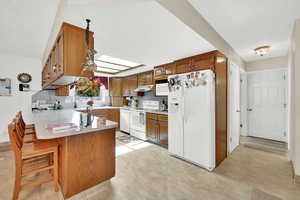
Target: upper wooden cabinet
<point x="64" y="63"/>
<point x="115" y="86"/>
<point x="145" y="78"/>
<point x="163" y="71"/>
<point x="203" y="61"/>
<point x="170" y="69"/>
<point x="183" y="65"/>
<point x="130" y="83"/>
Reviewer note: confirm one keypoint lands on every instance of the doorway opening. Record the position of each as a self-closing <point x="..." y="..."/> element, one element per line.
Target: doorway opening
<point x="264" y="110"/>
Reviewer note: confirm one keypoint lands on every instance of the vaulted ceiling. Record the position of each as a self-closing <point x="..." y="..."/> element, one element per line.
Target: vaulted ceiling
<point x="25" y="26"/>
<point x="142" y="31"/>
<point x="137" y="30"/>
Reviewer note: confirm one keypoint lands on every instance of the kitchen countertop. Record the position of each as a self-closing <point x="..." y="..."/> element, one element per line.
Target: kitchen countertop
<point x="145" y="110"/>
<point x="43" y="118"/>
<point x="100" y="108"/>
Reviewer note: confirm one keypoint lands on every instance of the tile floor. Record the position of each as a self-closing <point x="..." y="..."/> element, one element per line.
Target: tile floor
<point x="147" y="172"/>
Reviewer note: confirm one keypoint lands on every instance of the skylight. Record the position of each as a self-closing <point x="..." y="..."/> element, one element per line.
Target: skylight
<point x="108" y="64"/>
<point x="102" y="69"/>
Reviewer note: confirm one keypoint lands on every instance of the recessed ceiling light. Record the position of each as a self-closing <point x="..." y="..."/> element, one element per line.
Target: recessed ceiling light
<point x="263" y="50"/>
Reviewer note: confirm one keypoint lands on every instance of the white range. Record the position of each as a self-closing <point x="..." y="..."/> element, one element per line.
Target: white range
<point x="133" y="120"/>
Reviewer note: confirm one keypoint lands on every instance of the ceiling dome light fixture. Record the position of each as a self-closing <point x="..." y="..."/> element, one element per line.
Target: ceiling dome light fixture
<point x="263" y="50"/>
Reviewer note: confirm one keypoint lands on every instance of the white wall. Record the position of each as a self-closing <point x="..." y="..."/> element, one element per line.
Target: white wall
<point x="11" y="66"/>
<point x="294" y="97"/>
<point x="270" y="63"/>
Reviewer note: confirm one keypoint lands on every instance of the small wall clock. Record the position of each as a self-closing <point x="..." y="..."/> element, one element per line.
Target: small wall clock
<point x="24" y="78"/>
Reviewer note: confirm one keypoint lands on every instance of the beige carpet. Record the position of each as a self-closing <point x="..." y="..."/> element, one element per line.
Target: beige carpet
<point x="260" y="195"/>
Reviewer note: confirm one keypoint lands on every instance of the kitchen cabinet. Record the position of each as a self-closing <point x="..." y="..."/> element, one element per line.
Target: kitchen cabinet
<point x="183" y="65"/>
<point x="109" y="114"/>
<point x="62" y="91"/>
<point x="115" y="86"/>
<point x="145" y="78"/>
<point x="116" y="101"/>
<point x="130" y="83"/>
<point x="64" y="63"/>
<point x="170" y="69"/>
<point x="157" y="129"/>
<point x="159" y="72"/>
<point x="151" y="129"/>
<point x="163" y="71"/>
<point x="203" y="62"/>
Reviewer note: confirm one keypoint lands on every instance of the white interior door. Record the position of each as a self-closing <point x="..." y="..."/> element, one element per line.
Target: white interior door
<point x="234" y="107"/>
<point x="267" y="104"/>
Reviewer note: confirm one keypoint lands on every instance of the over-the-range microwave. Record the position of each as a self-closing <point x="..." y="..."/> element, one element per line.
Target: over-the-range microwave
<point x="162" y="89"/>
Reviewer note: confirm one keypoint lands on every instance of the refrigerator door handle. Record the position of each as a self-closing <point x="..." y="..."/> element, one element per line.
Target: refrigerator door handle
<point x="184" y="108"/>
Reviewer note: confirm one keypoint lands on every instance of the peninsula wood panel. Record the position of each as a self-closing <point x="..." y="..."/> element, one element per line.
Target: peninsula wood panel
<point x="86" y="160"/>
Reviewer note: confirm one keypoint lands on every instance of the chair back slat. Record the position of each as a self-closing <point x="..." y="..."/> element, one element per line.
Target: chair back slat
<point x="19" y="129"/>
<point x="14" y="139"/>
<point x="19" y="115"/>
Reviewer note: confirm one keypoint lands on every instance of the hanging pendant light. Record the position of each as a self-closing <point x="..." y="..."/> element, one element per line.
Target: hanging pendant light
<point x="89" y="65"/>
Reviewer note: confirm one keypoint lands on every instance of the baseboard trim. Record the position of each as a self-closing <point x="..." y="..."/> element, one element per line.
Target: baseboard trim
<point x="296" y="177"/>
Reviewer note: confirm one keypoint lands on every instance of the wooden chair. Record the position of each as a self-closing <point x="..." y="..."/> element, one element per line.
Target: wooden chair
<point x="30" y="129"/>
<point x="31" y="160"/>
<point x="21" y="132"/>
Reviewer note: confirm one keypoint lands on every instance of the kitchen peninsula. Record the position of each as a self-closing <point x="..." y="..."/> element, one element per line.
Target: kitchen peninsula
<point x="86" y="154"/>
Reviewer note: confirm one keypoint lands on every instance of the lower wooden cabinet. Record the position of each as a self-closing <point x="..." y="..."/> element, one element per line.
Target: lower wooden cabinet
<point x="109" y="114"/>
<point x="157" y="129"/>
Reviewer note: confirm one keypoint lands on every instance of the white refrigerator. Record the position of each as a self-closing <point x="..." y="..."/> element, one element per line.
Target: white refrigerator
<point x="191" y="124"/>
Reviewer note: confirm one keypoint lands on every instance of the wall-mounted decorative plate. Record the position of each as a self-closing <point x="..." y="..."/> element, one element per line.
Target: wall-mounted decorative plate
<point x="24" y="78"/>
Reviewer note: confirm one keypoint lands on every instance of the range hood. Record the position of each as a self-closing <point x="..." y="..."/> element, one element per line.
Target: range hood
<point x="144" y="88"/>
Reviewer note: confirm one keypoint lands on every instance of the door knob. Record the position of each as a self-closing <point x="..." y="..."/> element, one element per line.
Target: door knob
<point x="238" y="111"/>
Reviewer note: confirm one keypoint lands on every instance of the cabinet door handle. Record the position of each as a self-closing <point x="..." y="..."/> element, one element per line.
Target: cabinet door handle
<point x="249" y="109"/>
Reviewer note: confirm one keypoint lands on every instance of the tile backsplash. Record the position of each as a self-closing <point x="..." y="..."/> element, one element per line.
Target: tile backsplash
<point x="49" y="97"/>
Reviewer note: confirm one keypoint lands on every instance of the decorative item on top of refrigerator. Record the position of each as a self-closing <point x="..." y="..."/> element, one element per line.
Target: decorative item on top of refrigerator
<point x="189" y="80"/>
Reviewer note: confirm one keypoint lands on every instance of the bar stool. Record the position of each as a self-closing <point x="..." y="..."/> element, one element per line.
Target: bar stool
<point x="28" y="127"/>
<point x="21" y="132"/>
<point x="30" y="161"/>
